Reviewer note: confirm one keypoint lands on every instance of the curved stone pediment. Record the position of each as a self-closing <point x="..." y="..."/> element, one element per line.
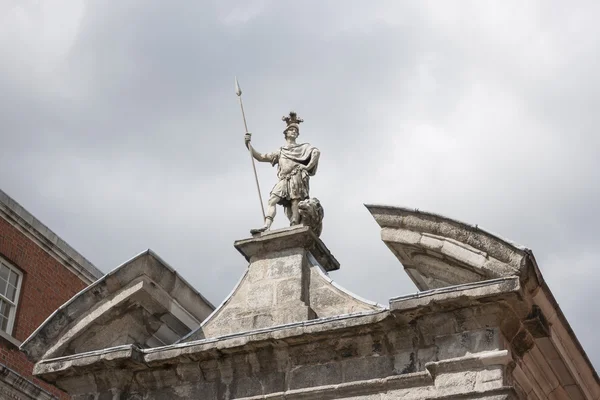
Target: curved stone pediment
<point x="143" y="302"/>
<point x="437" y="251"/>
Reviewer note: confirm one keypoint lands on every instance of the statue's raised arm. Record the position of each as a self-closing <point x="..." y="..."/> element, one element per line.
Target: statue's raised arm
<point x="257" y="156"/>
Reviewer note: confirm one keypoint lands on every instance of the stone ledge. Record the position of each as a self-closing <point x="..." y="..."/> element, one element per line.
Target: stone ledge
<point x="472" y="361"/>
<point x="295" y="332"/>
<point x="287" y="238"/>
<point x="145" y="358"/>
<point x="413" y="380"/>
<point x="390" y="384"/>
<point x="470" y="291"/>
<point x="19" y="386"/>
<point x="116" y="356"/>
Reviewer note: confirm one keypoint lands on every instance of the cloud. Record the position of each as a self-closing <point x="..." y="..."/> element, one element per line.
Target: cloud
<point x="123" y="125"/>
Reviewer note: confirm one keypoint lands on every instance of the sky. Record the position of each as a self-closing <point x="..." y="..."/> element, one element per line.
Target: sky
<point x="121" y="130"/>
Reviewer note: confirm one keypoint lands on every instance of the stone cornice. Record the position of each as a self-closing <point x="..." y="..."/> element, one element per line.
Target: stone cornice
<point x="145" y="274"/>
<point x="17" y="386"/>
<point x="132" y="358"/>
<point x="416" y="379"/>
<point x="467" y="294"/>
<point x="438" y="252"/>
<point x="50" y="369"/>
<point x="35" y="230"/>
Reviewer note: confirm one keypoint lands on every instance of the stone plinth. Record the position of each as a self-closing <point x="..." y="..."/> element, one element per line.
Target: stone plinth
<point x="299" y="237"/>
<point x="286" y="282"/>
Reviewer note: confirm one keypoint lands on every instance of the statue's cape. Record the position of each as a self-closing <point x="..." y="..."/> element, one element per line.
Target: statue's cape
<point x="300" y="153"/>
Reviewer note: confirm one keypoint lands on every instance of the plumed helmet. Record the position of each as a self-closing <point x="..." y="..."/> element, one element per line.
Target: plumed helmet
<point x="292" y="121"/>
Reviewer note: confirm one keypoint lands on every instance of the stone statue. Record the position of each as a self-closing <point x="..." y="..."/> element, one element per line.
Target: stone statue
<point x="311" y="215"/>
<point x="296" y="163"/>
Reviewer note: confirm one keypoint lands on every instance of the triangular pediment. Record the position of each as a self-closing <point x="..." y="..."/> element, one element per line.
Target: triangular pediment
<point x="142" y="302"/>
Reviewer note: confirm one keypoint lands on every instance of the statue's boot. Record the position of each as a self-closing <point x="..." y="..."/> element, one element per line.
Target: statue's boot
<point x="258" y="230"/>
<point x="266" y="227"/>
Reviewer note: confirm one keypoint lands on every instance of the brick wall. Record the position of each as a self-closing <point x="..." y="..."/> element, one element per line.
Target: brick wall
<point x="46" y="285"/>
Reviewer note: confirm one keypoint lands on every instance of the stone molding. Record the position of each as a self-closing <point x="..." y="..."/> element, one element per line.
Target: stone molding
<point x="484" y="374"/>
<point x="15" y="387"/>
<point x="292" y="333"/>
<point x="144" y="292"/>
<point x="549" y="360"/>
<point x="467" y="294"/>
<point x="390" y="383"/>
<point x="50" y="369"/>
<point x="471" y="361"/>
<point x="437" y="251"/>
<point x="50" y="242"/>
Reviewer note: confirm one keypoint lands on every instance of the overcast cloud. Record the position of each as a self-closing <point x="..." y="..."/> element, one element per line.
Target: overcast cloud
<point x="121" y="129"/>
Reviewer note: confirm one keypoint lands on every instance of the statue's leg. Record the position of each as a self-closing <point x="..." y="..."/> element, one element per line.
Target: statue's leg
<point x="288" y="212"/>
<point x="271" y="208"/>
<point x="295" y="219"/>
<point x="269" y="215"/>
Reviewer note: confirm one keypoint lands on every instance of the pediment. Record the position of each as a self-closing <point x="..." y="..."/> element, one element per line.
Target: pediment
<point x="437" y="251"/>
<point x="143" y="302"/>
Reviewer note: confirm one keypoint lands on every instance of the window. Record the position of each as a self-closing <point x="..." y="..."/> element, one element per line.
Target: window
<point x="10" y="284"/>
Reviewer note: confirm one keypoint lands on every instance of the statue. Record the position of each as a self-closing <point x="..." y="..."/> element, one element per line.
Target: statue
<point x="311" y="215"/>
<point x="296" y="163"/>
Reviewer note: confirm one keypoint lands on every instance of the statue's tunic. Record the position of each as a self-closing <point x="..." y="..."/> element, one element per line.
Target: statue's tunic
<point x="293" y="179"/>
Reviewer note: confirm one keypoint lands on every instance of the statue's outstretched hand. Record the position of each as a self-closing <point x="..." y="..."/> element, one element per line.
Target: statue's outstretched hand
<point x="247" y="138"/>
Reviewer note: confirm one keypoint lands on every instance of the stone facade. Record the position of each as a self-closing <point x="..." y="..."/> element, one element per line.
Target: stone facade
<point x="51" y="273"/>
<point x="483" y="326"/>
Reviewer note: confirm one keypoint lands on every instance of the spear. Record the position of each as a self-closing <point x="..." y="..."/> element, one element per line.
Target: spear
<point x="238" y="91"/>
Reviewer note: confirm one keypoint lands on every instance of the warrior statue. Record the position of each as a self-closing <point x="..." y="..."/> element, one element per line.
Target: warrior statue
<point x="296" y="163"/>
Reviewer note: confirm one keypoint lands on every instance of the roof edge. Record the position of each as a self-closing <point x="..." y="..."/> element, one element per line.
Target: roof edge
<point x="64" y="307"/>
<point x="289" y="331"/>
<point x="19" y="217"/>
<point x="561" y="316"/>
<point x="416" y="211"/>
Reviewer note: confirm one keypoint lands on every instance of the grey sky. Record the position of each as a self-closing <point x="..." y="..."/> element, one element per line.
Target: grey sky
<point x="121" y="130"/>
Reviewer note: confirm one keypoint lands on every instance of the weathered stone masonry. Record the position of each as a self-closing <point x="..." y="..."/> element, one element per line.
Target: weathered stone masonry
<point x="483" y="326"/>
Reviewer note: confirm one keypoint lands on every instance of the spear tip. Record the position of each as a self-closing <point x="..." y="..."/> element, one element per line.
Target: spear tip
<point x="238" y="91"/>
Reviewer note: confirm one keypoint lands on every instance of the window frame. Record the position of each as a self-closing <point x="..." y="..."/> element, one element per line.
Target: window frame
<point x="14" y="304"/>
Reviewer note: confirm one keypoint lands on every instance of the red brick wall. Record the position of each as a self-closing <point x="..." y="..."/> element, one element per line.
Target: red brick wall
<point x="46" y="286"/>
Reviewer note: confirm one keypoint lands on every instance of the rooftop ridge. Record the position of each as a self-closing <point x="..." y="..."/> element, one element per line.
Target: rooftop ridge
<point x="18" y="216"/>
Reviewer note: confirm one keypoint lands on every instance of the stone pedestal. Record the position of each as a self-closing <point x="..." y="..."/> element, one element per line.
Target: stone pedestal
<point x="296" y="237"/>
<point x="286" y="282"/>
